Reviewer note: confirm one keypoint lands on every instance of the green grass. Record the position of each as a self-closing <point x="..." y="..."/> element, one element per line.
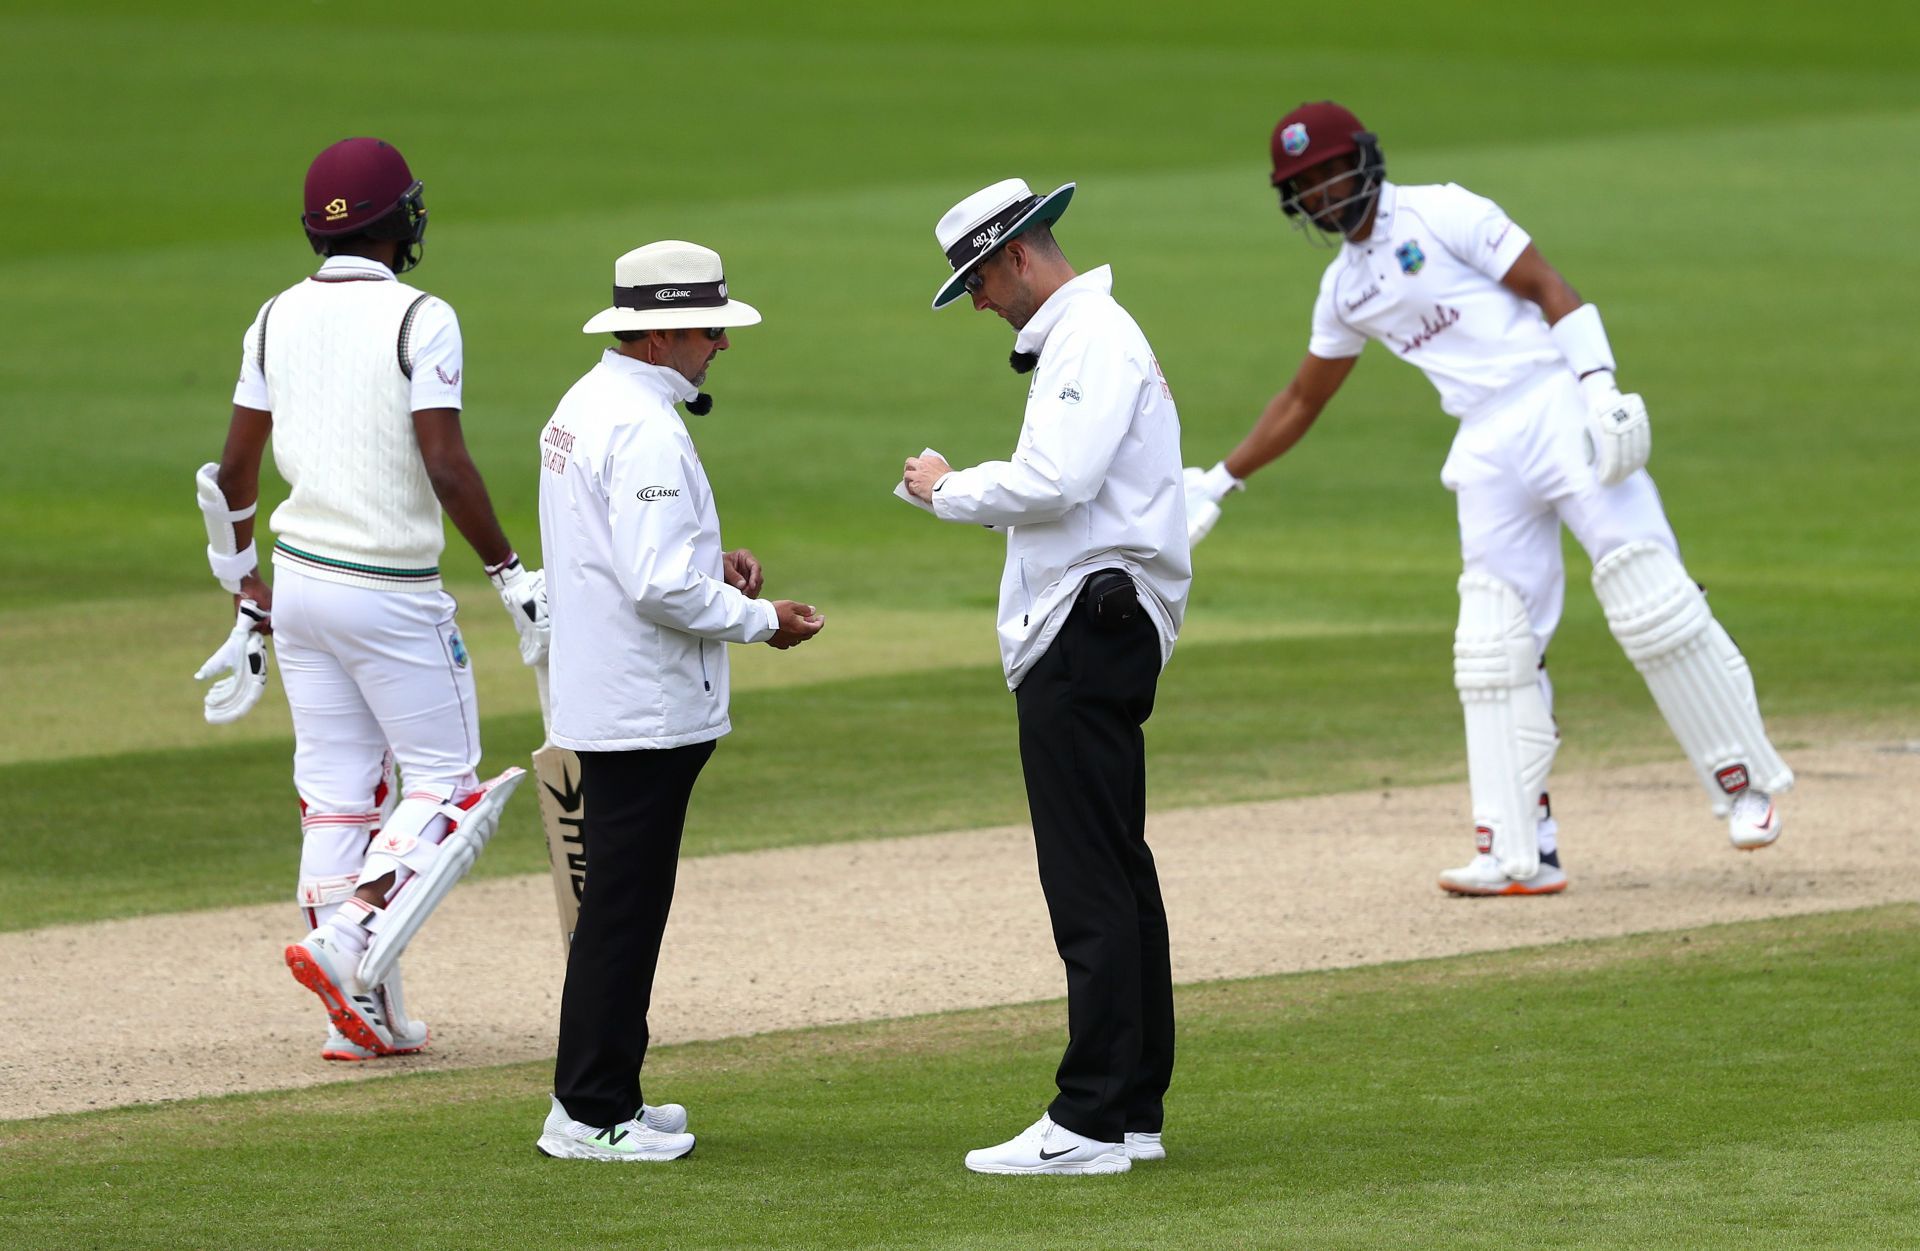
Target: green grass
<point x="1235" y="721"/>
<point x="1703" y="1089"/>
<point x="1648" y="150"/>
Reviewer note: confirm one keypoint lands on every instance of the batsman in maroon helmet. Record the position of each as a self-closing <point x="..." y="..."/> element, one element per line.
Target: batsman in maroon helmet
<point x="1448" y="282"/>
<point x="355" y="378"/>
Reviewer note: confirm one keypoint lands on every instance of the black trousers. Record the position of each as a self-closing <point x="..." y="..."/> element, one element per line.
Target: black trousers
<point x="1081" y="708"/>
<point x="635" y="808"/>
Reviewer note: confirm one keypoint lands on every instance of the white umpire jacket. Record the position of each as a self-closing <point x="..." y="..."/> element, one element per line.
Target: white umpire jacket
<point x="641" y="609"/>
<point x="1094" y="482"/>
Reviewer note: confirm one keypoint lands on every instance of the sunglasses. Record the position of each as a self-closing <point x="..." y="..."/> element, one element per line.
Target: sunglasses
<point x="715" y="332"/>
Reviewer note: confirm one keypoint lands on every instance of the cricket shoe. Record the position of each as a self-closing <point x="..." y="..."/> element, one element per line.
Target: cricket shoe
<point x="1045" y="1147"/>
<point x="1755" y="820"/>
<point x="1483" y="875"/>
<point x="405" y="1043"/>
<point x="318" y="963"/>
<point x="1145" y="1147"/>
<point x="630" y="1142"/>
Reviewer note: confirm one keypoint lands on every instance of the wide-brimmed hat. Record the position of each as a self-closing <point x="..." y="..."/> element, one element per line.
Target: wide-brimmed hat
<point x="670" y="285"/>
<point x="975" y="228"/>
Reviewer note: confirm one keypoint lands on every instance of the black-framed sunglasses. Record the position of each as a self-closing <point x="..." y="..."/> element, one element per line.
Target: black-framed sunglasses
<point x="716" y="332"/>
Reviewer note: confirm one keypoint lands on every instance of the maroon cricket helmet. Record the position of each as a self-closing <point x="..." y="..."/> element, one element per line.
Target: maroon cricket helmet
<point x="363" y="186"/>
<point x="1313" y="133"/>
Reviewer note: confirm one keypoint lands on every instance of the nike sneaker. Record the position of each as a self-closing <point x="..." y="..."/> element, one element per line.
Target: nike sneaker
<point x="1045" y="1147"/>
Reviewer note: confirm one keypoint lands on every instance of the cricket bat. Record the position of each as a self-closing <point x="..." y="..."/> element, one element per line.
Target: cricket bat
<point x="557" y="772"/>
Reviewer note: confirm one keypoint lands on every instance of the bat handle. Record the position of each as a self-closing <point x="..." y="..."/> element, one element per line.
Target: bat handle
<point x="540" y="684"/>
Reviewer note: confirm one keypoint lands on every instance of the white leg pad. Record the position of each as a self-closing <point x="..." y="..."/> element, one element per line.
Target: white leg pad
<point x="332" y="845"/>
<point x="1511" y="738"/>
<point x="435" y="875"/>
<point x="1697" y="676"/>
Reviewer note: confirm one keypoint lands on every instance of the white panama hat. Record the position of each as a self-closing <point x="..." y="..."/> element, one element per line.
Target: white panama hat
<point x="975" y="228"/>
<point x="670" y="285"/>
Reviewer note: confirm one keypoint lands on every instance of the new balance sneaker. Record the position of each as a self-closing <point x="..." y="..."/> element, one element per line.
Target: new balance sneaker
<point x="1044" y="1147"/>
<point x="1145" y="1147"/>
<point x="1483" y="875"/>
<point x="318" y="963"/>
<point x="667" y="1118"/>
<point x="1755" y="820"/>
<point x="630" y="1142"/>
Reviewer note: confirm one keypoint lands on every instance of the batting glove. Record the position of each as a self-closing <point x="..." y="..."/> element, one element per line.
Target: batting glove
<point x="525" y="596"/>
<point x="1205" y="489"/>
<point x="1619" y="436"/>
<point x="243" y="658"/>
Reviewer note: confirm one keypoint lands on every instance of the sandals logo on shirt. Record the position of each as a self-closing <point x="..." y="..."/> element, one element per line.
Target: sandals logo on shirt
<point x="457" y="646"/>
<point x="1410" y="256"/>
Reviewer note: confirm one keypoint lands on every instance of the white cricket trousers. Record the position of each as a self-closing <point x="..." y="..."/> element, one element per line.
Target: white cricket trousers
<point x="366" y="671"/>
<point x="1518" y="472"/>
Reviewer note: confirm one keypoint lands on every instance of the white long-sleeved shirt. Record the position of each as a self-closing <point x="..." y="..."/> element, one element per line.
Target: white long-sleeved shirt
<point x="1094" y="482"/>
<point x="641" y="607"/>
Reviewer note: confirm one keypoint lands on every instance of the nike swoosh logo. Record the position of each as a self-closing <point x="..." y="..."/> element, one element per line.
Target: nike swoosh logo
<point x="1054" y="1155"/>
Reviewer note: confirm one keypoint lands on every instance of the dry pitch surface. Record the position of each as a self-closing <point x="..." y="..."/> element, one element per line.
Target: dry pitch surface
<point x="200" y="1004"/>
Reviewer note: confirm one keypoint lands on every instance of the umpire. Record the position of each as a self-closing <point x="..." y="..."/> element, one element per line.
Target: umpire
<point x="1091" y="599"/>
<point x="644" y="605"/>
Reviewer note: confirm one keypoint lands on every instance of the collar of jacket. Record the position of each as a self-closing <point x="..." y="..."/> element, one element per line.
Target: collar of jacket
<point x="1033" y="337"/>
<point x="667" y="381"/>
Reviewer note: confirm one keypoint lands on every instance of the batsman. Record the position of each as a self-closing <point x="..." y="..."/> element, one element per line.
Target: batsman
<point x="1449" y="283"/>
<point x="355" y="377"/>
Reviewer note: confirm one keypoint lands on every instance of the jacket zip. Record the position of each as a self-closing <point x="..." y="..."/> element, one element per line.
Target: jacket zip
<point x="704" y="684"/>
<point x="1025" y="594"/>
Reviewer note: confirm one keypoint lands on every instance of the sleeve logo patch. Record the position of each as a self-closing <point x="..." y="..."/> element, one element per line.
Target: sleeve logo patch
<point x="452" y="380"/>
<point x="647" y="495"/>
<point x="1070" y="393"/>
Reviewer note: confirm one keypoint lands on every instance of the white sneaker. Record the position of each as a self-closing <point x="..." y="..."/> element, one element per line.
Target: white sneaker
<point x="318" y="963"/>
<point x="668" y="1118"/>
<point x="1044" y="1147"/>
<point x="630" y="1142"/>
<point x="1482" y="875"/>
<point x="1145" y="1147"/>
<point x="1755" y="820"/>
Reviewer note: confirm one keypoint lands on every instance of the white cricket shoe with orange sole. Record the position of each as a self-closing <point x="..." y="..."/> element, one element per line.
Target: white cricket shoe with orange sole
<point x="1482" y="876"/>
<point x="318" y="963"/>
<point x="1755" y="820"/>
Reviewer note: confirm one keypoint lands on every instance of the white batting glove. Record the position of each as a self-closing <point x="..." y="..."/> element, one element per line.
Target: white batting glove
<point x="243" y="658"/>
<point x="1205" y="489"/>
<point x="525" y="596"/>
<point x="1619" y="435"/>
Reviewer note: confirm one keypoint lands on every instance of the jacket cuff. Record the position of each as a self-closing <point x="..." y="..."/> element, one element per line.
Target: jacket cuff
<point x="772" y="626"/>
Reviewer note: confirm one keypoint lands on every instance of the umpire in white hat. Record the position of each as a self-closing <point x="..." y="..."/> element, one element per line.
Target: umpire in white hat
<point x="1091" y="599"/>
<point x="644" y="604"/>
